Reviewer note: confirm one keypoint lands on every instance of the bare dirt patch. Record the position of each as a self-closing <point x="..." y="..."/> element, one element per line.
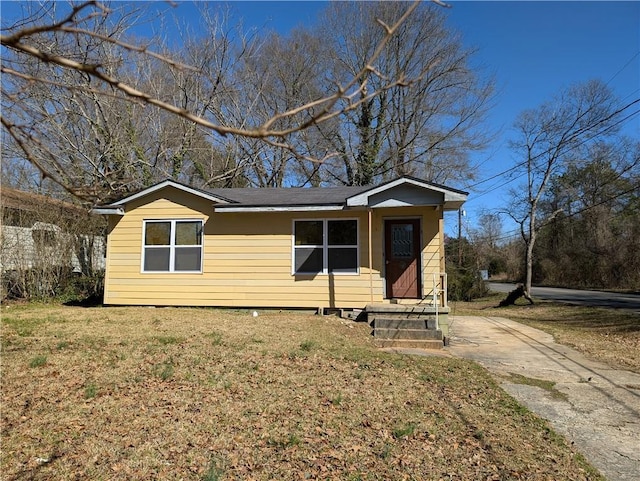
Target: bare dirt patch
<point x="139" y="393"/>
<point x="611" y="336"/>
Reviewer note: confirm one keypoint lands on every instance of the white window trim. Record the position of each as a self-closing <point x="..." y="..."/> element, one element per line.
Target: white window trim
<point x="172" y="247"/>
<point x="325" y="248"/>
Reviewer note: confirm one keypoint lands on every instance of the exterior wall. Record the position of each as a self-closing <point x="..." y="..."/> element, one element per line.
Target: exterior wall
<point x="247" y="258"/>
<point x="18" y="250"/>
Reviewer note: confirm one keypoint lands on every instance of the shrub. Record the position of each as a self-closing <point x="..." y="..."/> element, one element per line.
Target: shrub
<point x="465" y="284"/>
<point x="39" y="284"/>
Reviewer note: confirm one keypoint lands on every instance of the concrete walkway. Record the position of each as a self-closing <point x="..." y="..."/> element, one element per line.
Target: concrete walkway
<point x="601" y="409"/>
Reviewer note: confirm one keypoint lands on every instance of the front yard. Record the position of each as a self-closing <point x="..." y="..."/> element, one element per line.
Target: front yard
<point x="140" y="393"/>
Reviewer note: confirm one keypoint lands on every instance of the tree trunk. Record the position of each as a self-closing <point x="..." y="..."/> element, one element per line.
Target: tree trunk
<point x="529" y="272"/>
<point x="529" y="254"/>
<point x="513" y="296"/>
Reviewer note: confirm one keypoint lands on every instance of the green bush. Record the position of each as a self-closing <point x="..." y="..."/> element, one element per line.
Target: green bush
<point x="465" y="284"/>
<point x="61" y="283"/>
<point x="86" y="288"/>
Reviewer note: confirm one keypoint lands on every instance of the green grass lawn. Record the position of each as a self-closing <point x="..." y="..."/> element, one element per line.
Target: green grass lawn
<point x="200" y="394"/>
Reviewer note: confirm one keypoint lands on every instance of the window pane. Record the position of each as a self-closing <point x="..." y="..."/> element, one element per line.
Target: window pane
<point x="156" y="259"/>
<point x="308" y="232"/>
<point x="188" y="233"/>
<point x="402" y="240"/>
<point x="188" y="259"/>
<point x="157" y="233"/>
<point x="343" y="259"/>
<point x="342" y="232"/>
<point x="308" y="260"/>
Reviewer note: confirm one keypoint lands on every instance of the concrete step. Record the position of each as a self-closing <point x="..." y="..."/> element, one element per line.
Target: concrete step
<point x="404" y="334"/>
<point x="400" y="317"/>
<point x="395" y="311"/>
<point x="410" y="343"/>
<point x="407" y="310"/>
<point x="387" y="323"/>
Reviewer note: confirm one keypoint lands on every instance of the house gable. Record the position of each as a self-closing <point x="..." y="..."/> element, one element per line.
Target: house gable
<point x="118" y="207"/>
<point x="405" y="195"/>
<point x="408" y="191"/>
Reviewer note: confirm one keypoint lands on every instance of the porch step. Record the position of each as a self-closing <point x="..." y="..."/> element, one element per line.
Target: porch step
<point x="410" y="343"/>
<point x="427" y="322"/>
<point x="404" y="311"/>
<point x="410" y="326"/>
<point x="407" y="334"/>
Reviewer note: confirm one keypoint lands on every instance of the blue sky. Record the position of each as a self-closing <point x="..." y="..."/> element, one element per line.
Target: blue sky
<point x="537" y="48"/>
<point x="533" y="49"/>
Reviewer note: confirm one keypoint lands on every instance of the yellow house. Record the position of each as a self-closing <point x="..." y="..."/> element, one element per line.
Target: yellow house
<point x="333" y="247"/>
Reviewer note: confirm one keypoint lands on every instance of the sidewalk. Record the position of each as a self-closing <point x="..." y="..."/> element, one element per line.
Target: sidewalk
<point x="601" y="412"/>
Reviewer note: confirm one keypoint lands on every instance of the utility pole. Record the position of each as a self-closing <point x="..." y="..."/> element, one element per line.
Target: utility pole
<point x="461" y="214"/>
<point x="459" y="237"/>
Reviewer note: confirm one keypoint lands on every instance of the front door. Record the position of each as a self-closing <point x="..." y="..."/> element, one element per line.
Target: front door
<point x="402" y="258"/>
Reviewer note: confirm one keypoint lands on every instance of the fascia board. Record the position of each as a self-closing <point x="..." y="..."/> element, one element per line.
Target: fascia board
<point x="168" y="183"/>
<point x="107" y="210"/>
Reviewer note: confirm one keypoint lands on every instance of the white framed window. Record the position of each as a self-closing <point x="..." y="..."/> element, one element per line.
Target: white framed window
<point x="325" y="246"/>
<point x="172" y="245"/>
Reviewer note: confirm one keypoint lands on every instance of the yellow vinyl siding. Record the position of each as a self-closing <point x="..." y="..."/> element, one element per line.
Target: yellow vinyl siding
<point x="247" y="258"/>
<point x="431" y="253"/>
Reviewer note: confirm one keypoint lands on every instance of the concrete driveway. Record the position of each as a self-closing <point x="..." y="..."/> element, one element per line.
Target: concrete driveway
<point x="600" y="411"/>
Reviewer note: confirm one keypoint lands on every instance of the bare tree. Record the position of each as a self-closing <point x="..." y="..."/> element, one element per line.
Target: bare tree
<point x="280" y="74"/>
<point x="594" y="241"/>
<point x="546" y="138"/>
<point x="485" y="239"/>
<point x="85" y="52"/>
<point x="426" y="127"/>
<point x="95" y="141"/>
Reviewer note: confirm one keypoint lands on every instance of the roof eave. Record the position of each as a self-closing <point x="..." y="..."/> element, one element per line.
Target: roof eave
<point x="452" y="205"/>
<point x="176" y="185"/>
<point x="107" y="210"/>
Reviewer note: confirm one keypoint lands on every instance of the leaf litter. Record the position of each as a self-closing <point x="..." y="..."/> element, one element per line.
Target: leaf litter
<point x="203" y="394"/>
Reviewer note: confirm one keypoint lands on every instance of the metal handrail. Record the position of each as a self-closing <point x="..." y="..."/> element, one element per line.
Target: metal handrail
<point x="439" y="279"/>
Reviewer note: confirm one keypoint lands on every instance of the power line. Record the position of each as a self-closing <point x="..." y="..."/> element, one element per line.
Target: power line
<point x="514" y="232"/>
<point x="624" y="67"/>
<point x="573" y="147"/>
<point x="494" y="188"/>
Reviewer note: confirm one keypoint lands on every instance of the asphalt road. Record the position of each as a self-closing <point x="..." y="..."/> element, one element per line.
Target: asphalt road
<point x="575" y="296"/>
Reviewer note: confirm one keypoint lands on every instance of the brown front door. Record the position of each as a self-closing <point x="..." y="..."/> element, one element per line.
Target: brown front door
<point x="402" y="258"/>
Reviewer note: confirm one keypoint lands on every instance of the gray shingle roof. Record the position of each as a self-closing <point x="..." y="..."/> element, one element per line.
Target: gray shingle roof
<point x="257" y="197"/>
